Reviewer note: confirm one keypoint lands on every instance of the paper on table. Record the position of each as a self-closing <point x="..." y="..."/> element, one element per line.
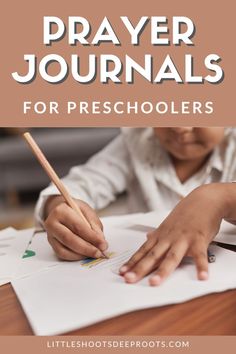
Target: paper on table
<point x="12" y="247"/>
<point x="227" y="233"/>
<point x="121" y="221"/>
<point x="153" y="219"/>
<point x="39" y="256"/>
<point x="74" y="295"/>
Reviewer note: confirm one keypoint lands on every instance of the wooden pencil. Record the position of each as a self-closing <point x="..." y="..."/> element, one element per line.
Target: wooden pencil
<point x="54" y="178"/>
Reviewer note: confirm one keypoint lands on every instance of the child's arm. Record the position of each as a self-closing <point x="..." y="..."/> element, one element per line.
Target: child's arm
<point x="188" y="230"/>
<point x="68" y="234"/>
<point x="98" y="182"/>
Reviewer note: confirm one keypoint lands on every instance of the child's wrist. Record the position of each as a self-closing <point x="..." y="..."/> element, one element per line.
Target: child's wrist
<point x="229" y="200"/>
<point x="222" y="197"/>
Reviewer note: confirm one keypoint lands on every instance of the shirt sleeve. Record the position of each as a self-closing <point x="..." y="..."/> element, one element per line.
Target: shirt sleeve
<point x="97" y="182"/>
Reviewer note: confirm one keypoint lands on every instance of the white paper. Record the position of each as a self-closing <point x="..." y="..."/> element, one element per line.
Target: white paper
<point x="226" y="235"/>
<point x="153" y="219"/>
<point x="74" y="295"/>
<point x="39" y="256"/>
<point x="121" y="221"/>
<point x="12" y="247"/>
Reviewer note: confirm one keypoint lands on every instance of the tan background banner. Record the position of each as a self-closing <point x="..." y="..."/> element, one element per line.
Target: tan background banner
<point x="22" y="33"/>
<point x="63" y="344"/>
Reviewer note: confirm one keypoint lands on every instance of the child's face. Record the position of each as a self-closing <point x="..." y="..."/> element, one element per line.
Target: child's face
<point x="188" y="143"/>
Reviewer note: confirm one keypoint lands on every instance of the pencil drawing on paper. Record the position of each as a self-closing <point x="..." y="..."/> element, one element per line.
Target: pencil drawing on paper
<point x="28" y="254"/>
<point x="92" y="262"/>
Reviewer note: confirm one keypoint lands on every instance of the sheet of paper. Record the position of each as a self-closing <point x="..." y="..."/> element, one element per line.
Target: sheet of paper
<point x="153" y="218"/>
<point x="38" y="256"/>
<point x="77" y="294"/>
<point x="12" y="247"/>
<point x="227" y="233"/>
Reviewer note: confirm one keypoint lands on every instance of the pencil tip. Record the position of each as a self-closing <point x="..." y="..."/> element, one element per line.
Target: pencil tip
<point x="105" y="255"/>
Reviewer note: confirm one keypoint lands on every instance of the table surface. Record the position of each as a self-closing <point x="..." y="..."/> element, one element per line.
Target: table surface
<point x="208" y="315"/>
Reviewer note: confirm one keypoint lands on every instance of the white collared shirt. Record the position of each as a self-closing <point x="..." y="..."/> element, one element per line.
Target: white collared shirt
<point x="135" y="162"/>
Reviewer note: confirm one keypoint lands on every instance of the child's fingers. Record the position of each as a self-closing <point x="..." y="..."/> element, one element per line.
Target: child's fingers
<point x="92" y="217"/>
<point x="74" y="242"/>
<point x="147" y="263"/>
<point x="73" y="221"/>
<point x="142" y="251"/>
<point x="199" y="255"/>
<point x="95" y="224"/>
<point x="169" y="264"/>
<point x="62" y="252"/>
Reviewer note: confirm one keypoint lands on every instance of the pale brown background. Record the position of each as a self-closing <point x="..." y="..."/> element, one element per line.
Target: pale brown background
<point x="38" y="345"/>
<point x="22" y="33"/>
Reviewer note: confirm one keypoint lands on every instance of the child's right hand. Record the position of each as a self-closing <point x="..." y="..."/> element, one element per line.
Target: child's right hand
<point x="69" y="236"/>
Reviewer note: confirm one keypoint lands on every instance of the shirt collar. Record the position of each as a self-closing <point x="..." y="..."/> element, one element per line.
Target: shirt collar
<point x="215" y="161"/>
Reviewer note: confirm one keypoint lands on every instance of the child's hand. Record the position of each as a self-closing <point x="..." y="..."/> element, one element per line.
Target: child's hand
<point x="68" y="234"/>
<point x="187" y="231"/>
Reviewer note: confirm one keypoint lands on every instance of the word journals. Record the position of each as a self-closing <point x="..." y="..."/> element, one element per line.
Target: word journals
<point x="108" y="67"/>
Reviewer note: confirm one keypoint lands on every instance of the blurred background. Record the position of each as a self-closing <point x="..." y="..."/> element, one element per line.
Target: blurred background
<point x="21" y="176"/>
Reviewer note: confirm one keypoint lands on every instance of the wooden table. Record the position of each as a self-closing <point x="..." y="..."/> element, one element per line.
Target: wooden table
<point x="213" y="314"/>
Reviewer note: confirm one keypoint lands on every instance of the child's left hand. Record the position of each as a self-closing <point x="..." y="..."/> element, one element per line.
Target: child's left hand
<point x="187" y="231"/>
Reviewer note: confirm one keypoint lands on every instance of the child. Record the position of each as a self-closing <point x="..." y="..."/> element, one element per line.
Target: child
<point x="158" y="168"/>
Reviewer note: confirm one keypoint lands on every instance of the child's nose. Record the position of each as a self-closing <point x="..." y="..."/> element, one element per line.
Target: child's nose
<point x="182" y="130"/>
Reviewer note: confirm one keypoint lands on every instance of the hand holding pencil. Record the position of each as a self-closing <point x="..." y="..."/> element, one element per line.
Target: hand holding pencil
<point x="74" y="229"/>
